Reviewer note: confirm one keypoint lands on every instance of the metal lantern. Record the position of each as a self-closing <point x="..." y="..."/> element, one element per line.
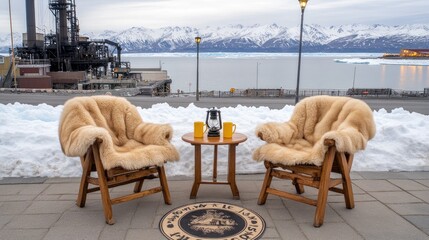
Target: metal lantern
<point x="213" y="122"/>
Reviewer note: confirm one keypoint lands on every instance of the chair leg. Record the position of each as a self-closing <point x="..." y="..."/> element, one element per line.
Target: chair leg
<point x="347" y="182"/>
<point x="325" y="178"/>
<point x="266" y="184"/>
<point x="86" y="171"/>
<point x="138" y="186"/>
<point x="298" y="187"/>
<point x="164" y="185"/>
<point x="104" y="188"/>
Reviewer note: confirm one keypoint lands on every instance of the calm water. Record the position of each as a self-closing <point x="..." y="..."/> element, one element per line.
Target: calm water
<point x="222" y="71"/>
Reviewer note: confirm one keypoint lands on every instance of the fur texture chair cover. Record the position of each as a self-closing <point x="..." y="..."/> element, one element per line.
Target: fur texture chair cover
<point x="346" y="120"/>
<point x="127" y="141"/>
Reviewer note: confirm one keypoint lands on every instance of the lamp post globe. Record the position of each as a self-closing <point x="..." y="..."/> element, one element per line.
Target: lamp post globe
<point x="197" y="41"/>
<point x="303" y="4"/>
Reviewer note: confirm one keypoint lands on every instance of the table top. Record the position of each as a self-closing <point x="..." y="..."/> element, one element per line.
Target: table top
<point x="236" y="138"/>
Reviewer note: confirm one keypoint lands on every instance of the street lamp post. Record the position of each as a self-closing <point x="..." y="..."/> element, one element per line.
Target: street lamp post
<point x="198" y="40"/>
<point x="13" y="51"/>
<point x="302" y="3"/>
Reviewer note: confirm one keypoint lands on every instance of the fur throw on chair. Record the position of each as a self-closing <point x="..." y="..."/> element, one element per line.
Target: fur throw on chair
<point x="126" y="141"/>
<point x="346" y="120"/>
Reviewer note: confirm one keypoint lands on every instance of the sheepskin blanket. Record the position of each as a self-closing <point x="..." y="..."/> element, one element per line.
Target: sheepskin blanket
<point x="126" y="140"/>
<point x="346" y="120"/>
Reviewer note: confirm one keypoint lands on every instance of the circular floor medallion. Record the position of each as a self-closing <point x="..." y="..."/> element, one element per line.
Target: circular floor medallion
<point x="212" y="220"/>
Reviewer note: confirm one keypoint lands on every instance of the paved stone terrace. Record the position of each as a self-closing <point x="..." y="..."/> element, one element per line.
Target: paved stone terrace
<point x="388" y="205"/>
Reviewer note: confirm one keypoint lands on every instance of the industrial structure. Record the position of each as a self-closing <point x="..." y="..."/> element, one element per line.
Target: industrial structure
<point x="66" y="60"/>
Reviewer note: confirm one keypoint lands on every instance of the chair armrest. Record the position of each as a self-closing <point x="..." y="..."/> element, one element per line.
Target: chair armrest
<point x="153" y="133"/>
<point x="276" y="132"/>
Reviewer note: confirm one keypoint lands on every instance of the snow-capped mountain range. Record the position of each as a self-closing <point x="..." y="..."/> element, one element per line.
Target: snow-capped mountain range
<point x="265" y="38"/>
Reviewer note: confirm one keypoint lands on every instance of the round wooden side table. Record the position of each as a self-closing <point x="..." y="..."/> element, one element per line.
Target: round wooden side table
<point x="236" y="139"/>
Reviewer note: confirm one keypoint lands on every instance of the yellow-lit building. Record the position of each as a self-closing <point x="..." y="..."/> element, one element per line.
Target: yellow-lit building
<point x="414" y="53"/>
<point x="4" y="65"/>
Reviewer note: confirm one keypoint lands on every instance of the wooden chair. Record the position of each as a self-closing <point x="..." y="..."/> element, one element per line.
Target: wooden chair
<point x="114" y="177"/>
<point x="315" y="148"/>
<point x="115" y="148"/>
<point x="314" y="176"/>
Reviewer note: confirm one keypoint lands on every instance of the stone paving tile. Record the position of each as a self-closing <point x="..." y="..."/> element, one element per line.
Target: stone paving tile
<point x="157" y="219"/>
<point x="144" y="215"/>
<point x="357" y="198"/>
<point x="356" y="189"/>
<point x="383" y="175"/>
<point x="63" y="180"/>
<point x="279" y="214"/>
<point x="289" y="230"/>
<point x="270" y="233"/>
<point x="417" y="175"/>
<point x="355" y="175"/>
<point x="408" y="185"/>
<point x="276" y="203"/>
<point x="25" y="189"/>
<point x="410" y="208"/>
<point x="247" y="186"/>
<point x="395" y="197"/>
<point x="10" y="189"/>
<point x="32" y="189"/>
<point x="423" y="195"/>
<point x="47" y="197"/>
<point x="180" y="186"/>
<point x="373" y="220"/>
<point x="48" y="207"/>
<point x="72" y="233"/>
<point x="424" y="182"/>
<point x="20" y="180"/>
<point x="332" y="231"/>
<point x="64" y="188"/>
<point x="176" y="202"/>
<point x="113" y="234"/>
<point x="250" y="177"/>
<point x="14" y="198"/>
<point x="22" y="204"/>
<point x="123" y="214"/>
<point x="90" y="205"/>
<point x="5" y="219"/>
<point x="304" y="213"/>
<point x="138" y="234"/>
<point x="33" y="221"/>
<point x="422" y="222"/>
<point x="81" y="219"/>
<point x="22" y="234"/>
<point x="376" y="185"/>
<point x="73" y="197"/>
<point x="249" y="196"/>
<point x="261" y="210"/>
<point x="14" y="207"/>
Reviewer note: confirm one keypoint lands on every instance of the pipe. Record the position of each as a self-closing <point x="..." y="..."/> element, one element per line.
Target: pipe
<point x="31" y="23"/>
<point x="63" y="22"/>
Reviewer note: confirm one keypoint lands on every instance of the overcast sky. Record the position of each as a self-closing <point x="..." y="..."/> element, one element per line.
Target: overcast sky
<point x="99" y="15"/>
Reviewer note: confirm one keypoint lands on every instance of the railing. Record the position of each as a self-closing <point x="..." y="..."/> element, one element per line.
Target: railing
<point x="33" y="62"/>
<point x="285" y="93"/>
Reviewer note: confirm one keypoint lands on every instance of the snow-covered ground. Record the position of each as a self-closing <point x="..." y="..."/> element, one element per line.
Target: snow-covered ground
<point x="29" y="144"/>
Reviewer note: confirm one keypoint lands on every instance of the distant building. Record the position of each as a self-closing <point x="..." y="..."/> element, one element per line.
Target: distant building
<point x="4" y="65"/>
<point x="414" y="53"/>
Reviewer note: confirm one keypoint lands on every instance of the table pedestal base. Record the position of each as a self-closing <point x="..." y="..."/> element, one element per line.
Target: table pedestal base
<point x="231" y="171"/>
